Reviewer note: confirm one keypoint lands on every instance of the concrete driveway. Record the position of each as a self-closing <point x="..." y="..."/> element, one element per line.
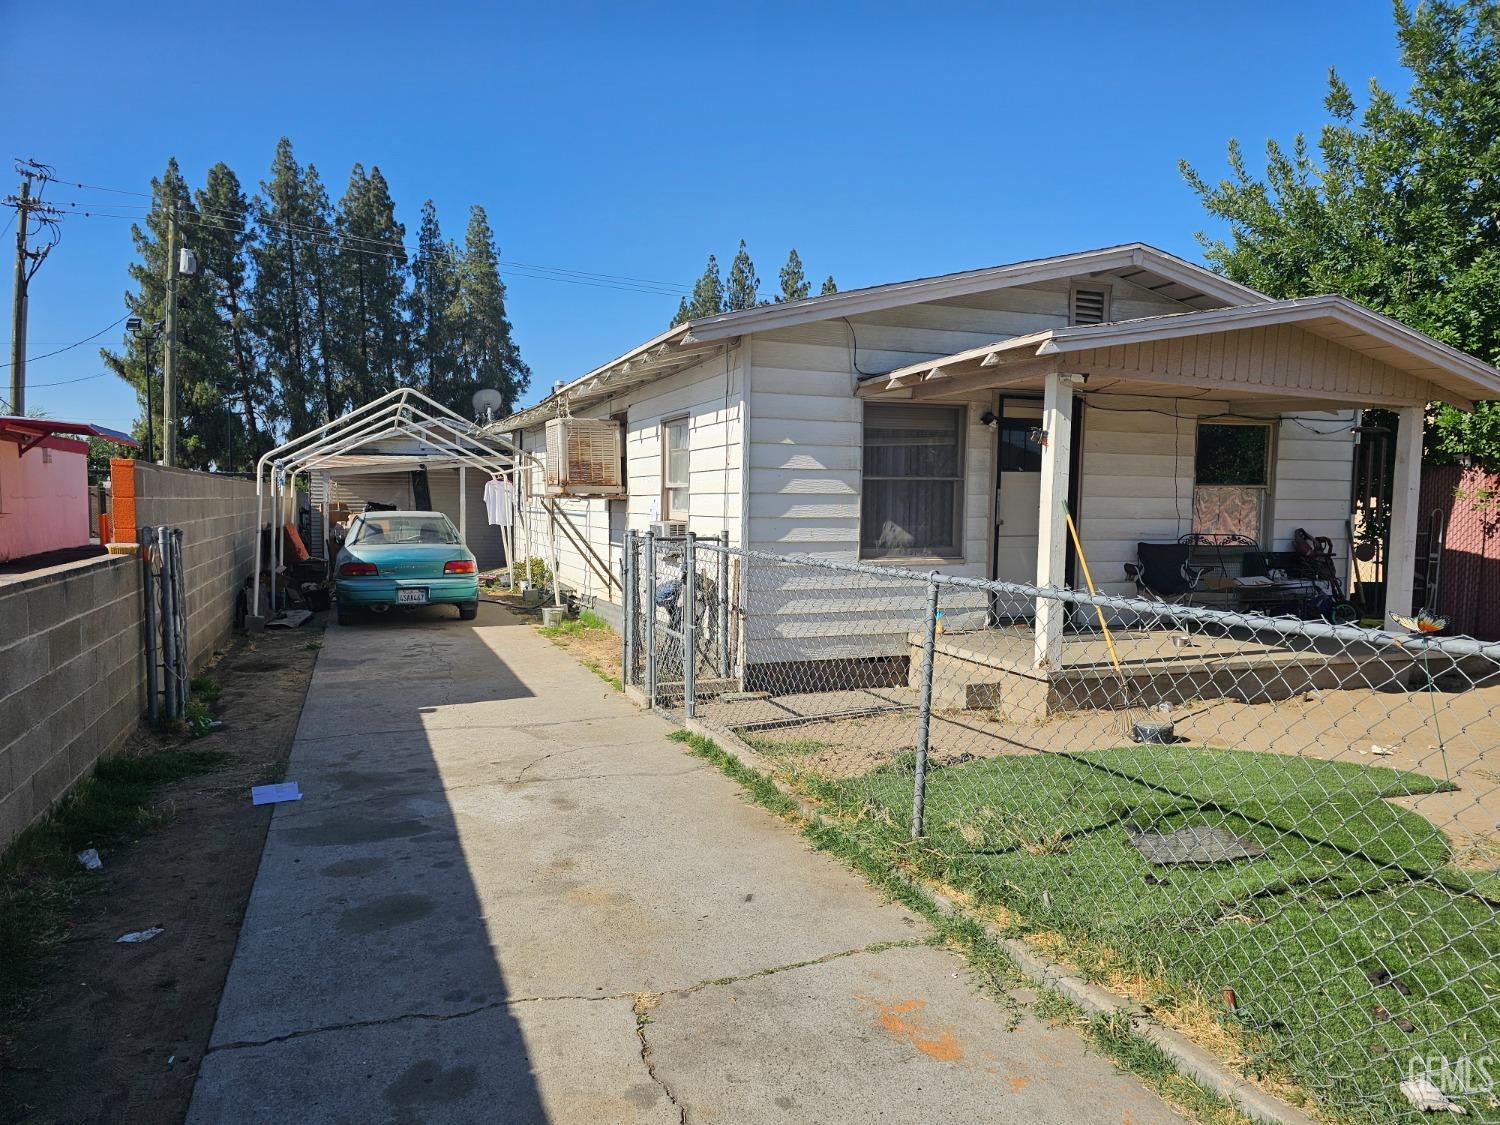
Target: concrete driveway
<point x="505" y="897"/>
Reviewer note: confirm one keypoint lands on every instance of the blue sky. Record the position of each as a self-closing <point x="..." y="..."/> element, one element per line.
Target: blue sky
<point x="884" y="141"/>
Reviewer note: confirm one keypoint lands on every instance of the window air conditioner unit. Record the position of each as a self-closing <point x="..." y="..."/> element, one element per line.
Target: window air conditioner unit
<point x="583" y="458"/>
<point x="670" y="529"/>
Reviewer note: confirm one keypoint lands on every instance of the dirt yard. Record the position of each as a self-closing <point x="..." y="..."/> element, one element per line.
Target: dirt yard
<point x="115" y="1032"/>
<point x="1443" y="734"/>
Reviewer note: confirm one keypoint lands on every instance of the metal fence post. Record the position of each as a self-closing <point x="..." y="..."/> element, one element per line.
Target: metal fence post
<point x="168" y="624"/>
<point x="724" y="604"/>
<point x="690" y="627"/>
<point x="924" y="710"/>
<point x="648" y="611"/>
<point x="153" y="702"/>
<point x="627" y="607"/>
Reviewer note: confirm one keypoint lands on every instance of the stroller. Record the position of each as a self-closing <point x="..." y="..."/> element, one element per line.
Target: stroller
<point x="1316" y="554"/>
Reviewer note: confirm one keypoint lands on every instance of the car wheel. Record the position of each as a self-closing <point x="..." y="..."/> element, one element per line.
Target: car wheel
<point x="468" y="612"/>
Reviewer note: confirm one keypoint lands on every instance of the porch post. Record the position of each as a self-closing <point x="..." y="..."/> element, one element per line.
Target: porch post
<point x="1052" y="536"/>
<point x="463" y="507"/>
<point x="1406" y="494"/>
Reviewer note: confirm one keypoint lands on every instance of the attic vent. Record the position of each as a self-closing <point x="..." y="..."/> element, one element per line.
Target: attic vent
<point x="1089" y="306"/>
<point x="583" y="458"/>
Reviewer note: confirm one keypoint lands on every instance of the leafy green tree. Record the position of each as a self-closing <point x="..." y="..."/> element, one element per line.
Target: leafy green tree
<point x="743" y="291"/>
<point x="794" y="283"/>
<point x="205" y="424"/>
<point x="434" y="312"/>
<point x="1395" y="207"/>
<point x="223" y="246"/>
<point x="828" y="286"/>
<point x="487" y="355"/>
<point x="321" y="247"/>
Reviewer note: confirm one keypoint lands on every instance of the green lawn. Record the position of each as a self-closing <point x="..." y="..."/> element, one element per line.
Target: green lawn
<point x="1349" y="885"/>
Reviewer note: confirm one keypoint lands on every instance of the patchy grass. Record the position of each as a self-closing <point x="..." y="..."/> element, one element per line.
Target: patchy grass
<point x="1349" y="886"/>
<point x="595" y="645"/>
<point x="206" y="688"/>
<point x="40" y="874"/>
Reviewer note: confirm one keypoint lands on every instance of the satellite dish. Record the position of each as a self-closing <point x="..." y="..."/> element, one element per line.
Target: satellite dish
<point x="487" y="402"/>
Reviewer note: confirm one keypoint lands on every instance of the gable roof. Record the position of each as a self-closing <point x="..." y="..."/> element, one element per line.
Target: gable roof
<point x="686" y="344"/>
<point x="1453" y="376"/>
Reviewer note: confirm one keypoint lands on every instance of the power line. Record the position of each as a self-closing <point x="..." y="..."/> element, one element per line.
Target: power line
<point x="675" y="288"/>
<point x="70" y="347"/>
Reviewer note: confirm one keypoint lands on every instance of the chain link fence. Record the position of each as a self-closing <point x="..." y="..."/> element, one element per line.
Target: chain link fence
<point x="1280" y="834"/>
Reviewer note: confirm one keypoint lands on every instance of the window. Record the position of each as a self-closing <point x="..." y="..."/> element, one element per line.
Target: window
<point x="1231" y="474"/>
<point x="1020" y="452"/>
<point x="912" y="500"/>
<point x="374" y="530"/>
<point x="675" y="440"/>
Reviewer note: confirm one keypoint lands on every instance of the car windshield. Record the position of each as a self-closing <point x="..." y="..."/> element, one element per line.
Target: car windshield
<point x="393" y="529"/>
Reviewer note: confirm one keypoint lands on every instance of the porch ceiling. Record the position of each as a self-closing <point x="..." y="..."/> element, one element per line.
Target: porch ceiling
<point x="1318" y="350"/>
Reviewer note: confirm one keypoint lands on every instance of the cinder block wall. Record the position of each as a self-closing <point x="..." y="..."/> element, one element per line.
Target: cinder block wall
<point x="217" y="518"/>
<point x="72" y="637"/>
<point x="72" y="678"/>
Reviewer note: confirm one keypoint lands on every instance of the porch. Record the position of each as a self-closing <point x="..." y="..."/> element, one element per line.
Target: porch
<point x="1303" y="363"/>
<point x="995" y="670"/>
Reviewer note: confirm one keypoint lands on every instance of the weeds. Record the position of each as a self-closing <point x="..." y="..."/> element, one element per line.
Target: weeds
<point x="39" y="872"/>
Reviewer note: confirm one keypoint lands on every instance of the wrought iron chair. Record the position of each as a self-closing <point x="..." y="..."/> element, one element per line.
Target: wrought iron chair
<point x="1163" y="573"/>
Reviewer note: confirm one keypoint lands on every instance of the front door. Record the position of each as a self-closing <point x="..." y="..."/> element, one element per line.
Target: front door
<point x="1018" y="492"/>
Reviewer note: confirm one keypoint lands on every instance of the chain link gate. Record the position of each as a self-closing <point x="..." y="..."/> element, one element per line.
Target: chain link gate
<point x="678" y="614"/>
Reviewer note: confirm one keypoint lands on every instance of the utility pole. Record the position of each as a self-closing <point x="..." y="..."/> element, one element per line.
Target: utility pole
<point x="18" y="305"/>
<point x="169" y="363"/>
<point x="28" y="261"/>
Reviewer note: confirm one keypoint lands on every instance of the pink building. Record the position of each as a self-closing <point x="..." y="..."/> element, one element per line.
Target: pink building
<point x="44" y="484"/>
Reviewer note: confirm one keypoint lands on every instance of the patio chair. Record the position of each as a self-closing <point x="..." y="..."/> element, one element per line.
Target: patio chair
<point x="1163" y="573"/>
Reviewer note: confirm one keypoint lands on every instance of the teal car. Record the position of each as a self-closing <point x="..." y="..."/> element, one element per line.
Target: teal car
<point x="403" y="559"/>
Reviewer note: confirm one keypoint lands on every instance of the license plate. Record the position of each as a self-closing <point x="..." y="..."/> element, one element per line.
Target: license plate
<point x="416" y="596"/>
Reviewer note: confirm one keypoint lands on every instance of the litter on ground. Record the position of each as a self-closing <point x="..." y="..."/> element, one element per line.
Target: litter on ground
<point x="1198" y="844"/>
<point x="1427" y="1098"/>
<point x="90" y="859"/>
<point x="275" y="794"/>
<point x="135" y="937"/>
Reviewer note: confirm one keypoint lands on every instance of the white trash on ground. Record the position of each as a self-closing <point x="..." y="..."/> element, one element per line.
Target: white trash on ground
<point x="1428" y="1098"/>
<point x="275" y="794"/>
<point x="90" y="859"/>
<point x="135" y="937"/>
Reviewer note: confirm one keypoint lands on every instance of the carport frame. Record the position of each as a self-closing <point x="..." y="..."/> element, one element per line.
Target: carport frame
<point x="403" y="412"/>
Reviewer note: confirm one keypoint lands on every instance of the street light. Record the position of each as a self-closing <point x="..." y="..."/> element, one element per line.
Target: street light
<point x="147" y="337"/>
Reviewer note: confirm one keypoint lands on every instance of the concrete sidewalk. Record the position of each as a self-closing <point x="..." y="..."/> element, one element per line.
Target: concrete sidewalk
<point x="506" y="897"/>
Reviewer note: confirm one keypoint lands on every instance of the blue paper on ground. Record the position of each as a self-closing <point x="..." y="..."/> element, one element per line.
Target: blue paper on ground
<point x="275" y="794"/>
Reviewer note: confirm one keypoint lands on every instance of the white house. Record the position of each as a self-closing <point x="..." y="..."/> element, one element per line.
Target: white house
<point x="900" y="424"/>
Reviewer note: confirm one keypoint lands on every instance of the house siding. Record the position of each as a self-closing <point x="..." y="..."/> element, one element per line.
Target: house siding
<point x="710" y="395"/>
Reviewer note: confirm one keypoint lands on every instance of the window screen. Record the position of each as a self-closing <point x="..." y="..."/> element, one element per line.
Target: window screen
<point x="913" y="481"/>
<point x="675" y="469"/>
<point x="1019" y="453"/>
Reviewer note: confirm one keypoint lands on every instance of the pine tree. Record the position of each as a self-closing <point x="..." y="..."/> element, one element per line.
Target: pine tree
<point x="432" y="360"/>
<point x="743" y="291"/>
<point x="281" y="295"/>
<point x="370" y="340"/>
<point x="487" y="355"/>
<point x="322" y="249"/>
<point x="203" y="368"/>
<point x="828" y="286"/>
<point x="707" y="298"/>
<point x="794" y="283"/>
<point x="223" y="245"/>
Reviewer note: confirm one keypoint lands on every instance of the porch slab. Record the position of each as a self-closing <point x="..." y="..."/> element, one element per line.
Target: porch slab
<point x="992" y="669"/>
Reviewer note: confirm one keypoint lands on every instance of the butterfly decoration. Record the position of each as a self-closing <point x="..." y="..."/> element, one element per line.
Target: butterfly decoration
<point x="1424" y="622"/>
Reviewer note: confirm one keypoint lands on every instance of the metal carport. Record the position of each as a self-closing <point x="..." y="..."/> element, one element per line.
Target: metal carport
<point x="350" y="445"/>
